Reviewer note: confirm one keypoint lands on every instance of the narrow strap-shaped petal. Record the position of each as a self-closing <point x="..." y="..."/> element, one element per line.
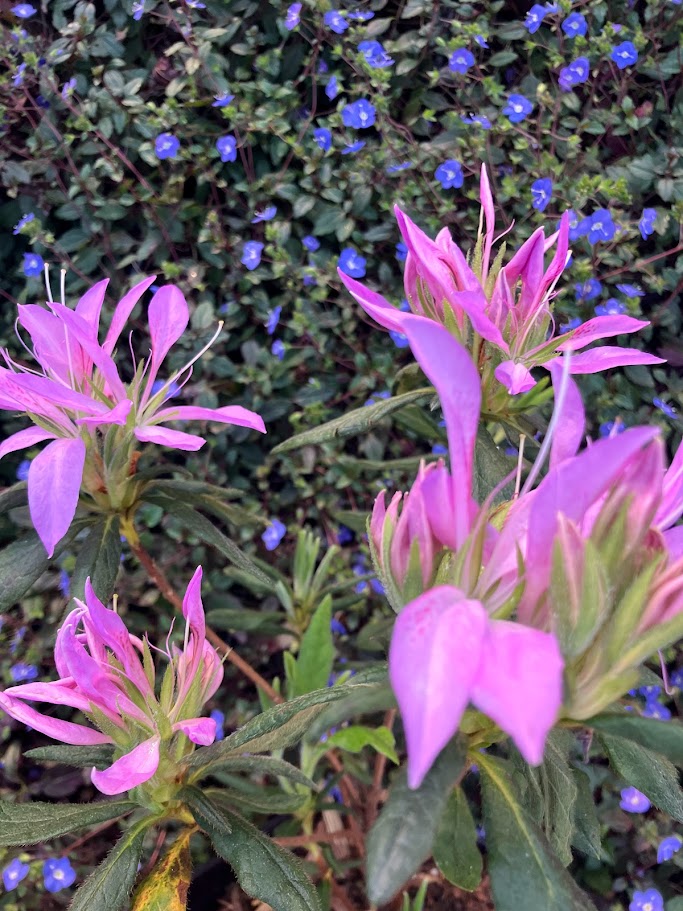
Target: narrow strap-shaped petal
<point x="58" y="354"/>
<point x="56" y="692"/>
<point x="89" y="306"/>
<point x="671" y="507"/>
<point x="66" y="731"/>
<point x="527" y="265"/>
<point x="54" y="482"/>
<point x="15" y="395"/>
<point x="433" y="661"/>
<point x="674" y="542"/>
<point x="374" y="304"/>
<point x="118" y="415"/>
<point x="123" y="310"/>
<point x="168" y="316"/>
<point x="486" y="198"/>
<point x="199" y="730"/>
<point x="42" y="387"/>
<point x="600" y="327"/>
<point x="174" y="439"/>
<point x="193" y="611"/>
<point x="571" y="423"/>
<point x="229" y="414"/>
<point x="131" y="770"/>
<point x="606" y="357"/>
<point x="23" y="439"/>
<point x="515" y="377"/>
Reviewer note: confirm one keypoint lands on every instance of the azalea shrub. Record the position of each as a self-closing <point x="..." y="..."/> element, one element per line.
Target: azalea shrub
<point x="359" y="327"/>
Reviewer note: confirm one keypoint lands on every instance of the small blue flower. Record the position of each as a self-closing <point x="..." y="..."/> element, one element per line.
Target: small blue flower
<point x="227" y="148"/>
<point x="311" y="243"/>
<point x="654" y="709"/>
<point x="352" y="263"/>
<point x="172" y="390"/>
<point x="332" y="89"/>
<point x="24" y="10"/>
<point x="665" y="408"/>
<point x="336" y="626"/>
<point x="21" y="672"/>
<point x="401" y="251"/>
<point x="58" y="874"/>
<point x="322" y="66"/>
<point x="449" y="174"/>
<point x="395" y="168"/>
<point x="222" y="100"/>
<point x="273" y="320"/>
<point x="647" y="223"/>
<point x="398" y="338"/>
<point x="293" y="16"/>
<point x="309" y="280"/>
<point x="632" y="291"/>
<point x="611" y="429"/>
<point x="588" y="290"/>
<point x="33" y="265"/>
<point x="138" y="9"/>
<point x="68" y="88"/>
<point x="24" y="220"/>
<point x="272" y="536"/>
<point x="354" y="147"/>
<point x="219" y="718"/>
<point x="166" y="145"/>
<point x="18" y="77"/>
<point x="541" y="193"/>
<point x="517" y="108"/>
<point x="344" y="536"/>
<point x="196" y="4"/>
<point x="633" y="801"/>
<point x="624" y="54"/>
<point x="359" y="114"/>
<point x="375" y="55"/>
<point x="572" y="324"/>
<point x="650" y="900"/>
<point x="676" y="678"/>
<point x="266" y="214"/>
<point x="385" y="394"/>
<point x="13" y="874"/>
<point x="361" y="15"/>
<point x="22" y="470"/>
<point x="65" y="583"/>
<point x="602" y="228"/>
<point x="251" y="254"/>
<point x="534" y="18"/>
<point x="439" y="449"/>
<point x="461" y="61"/>
<point x="278" y="349"/>
<point x="611" y="307"/>
<point x="323" y="138"/>
<point x="335" y="21"/>
<point x="668" y="847"/>
<point x="479" y="119"/>
<point x="481" y="41"/>
<point x="577" y="72"/>
<point x="575" y="24"/>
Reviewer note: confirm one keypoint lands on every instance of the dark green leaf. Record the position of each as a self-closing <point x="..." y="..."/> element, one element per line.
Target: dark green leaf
<point x="99" y="557"/>
<point x="665" y="737"/>
<point x="356" y="737"/>
<point x="647" y="771"/>
<point x="455" y="847"/>
<point x="491" y="465"/>
<point x="316" y="653"/>
<point x="261" y="765"/>
<point x="27" y="552"/>
<point x="360" y="699"/>
<point x="586" y="837"/>
<point x="30" y="823"/>
<point x="402" y="838"/>
<point x="212" y="814"/>
<point x="14" y="496"/>
<point x="82" y="757"/>
<point x="241" y="618"/>
<point x="559" y="793"/>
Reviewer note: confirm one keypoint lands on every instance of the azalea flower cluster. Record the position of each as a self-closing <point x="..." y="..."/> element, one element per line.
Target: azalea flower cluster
<point x="587" y="562"/>
<point x="94" y="420"/>
<point x="501" y="313"/>
<point x="109" y="675"/>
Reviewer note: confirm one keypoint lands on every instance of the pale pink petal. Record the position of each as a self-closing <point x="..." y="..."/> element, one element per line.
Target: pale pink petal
<point x="168" y="316"/>
<point x="463" y="277"/>
<point x="56" y="692"/>
<point x="671" y="507"/>
<point x="559" y="260"/>
<point x="674" y="542"/>
<point x="58" y="354"/>
<point x="486" y="198"/>
<point x="229" y="414"/>
<point x="527" y="265"/>
<point x="519" y="684"/>
<point x="438" y="495"/>
<point x="433" y="661"/>
<point x="571" y="424"/>
<point x="198" y="730"/>
<point x="212" y="672"/>
<point x="66" y="731"/>
<point x="89" y="306"/>
<point x="103" y="361"/>
<point x="474" y="304"/>
<point x="600" y="327"/>
<point x="515" y="377"/>
<point x="14" y="396"/>
<point x="130" y="770"/>
<point x="54" y="482"/>
<point x="123" y="310"/>
<point x="118" y="415"/>
<point x="374" y="304"/>
<point x="607" y="357"/>
<point x="42" y="387"/>
<point x="23" y="439"/>
<point x="174" y="439"/>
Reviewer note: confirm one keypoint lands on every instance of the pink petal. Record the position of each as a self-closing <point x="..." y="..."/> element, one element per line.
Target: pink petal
<point x="433" y="659"/>
<point x="103" y="361"/>
<point x="671" y="507"/>
<point x="229" y="414"/>
<point x="118" y="415"/>
<point x="54" y="482"/>
<point x="15" y="396"/>
<point x="571" y="426"/>
<point x="66" y="731"/>
<point x="168" y="316"/>
<point x="527" y="265"/>
<point x="89" y="306"/>
<point x="606" y="357"/>
<point x="449" y="367"/>
<point x="438" y="495"/>
<point x="519" y="684"/>
<point x="56" y="393"/>
<point x="515" y="377"/>
<point x="474" y="304"/>
<point x="674" y="542"/>
<point x="58" y="354"/>
<point x="212" y="672"/>
<point x="374" y="304"/>
<point x="23" y="439"/>
<point x="489" y="216"/>
<point x="123" y="310"/>
<point x="130" y="770"/>
<point x="198" y="730"/>
<point x="56" y="692"/>
<point x="174" y="439"/>
<point x="600" y="327"/>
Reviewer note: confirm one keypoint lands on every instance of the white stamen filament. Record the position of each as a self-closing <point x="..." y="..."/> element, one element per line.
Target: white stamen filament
<point x="46" y="271"/>
<point x="62" y="286"/>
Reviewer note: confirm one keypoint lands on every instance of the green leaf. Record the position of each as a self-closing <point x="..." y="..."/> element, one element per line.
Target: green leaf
<point x="165" y="889"/>
<point x="586" y="837"/>
<point x="30" y="823"/>
<point x="260" y="765"/>
<point x="316" y="653"/>
<point x="354" y="738"/>
<point x="525" y="872"/>
<point x="99" y="557"/>
<point x="353" y="422"/>
<point x="82" y="757"/>
<point x="502" y="58"/>
<point x="647" y="771"/>
<point x="491" y="465"/>
<point x="665" y="737"/>
<point x="29" y="553"/>
<point x="559" y="791"/>
<point x="402" y="838"/>
<point x="360" y="699"/>
<point x="455" y="847"/>
<point x="263" y="869"/>
<point x="14" y="497"/>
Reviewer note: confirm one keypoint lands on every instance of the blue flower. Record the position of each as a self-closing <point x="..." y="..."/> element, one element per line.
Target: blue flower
<point x="384" y="394"/>
<point x="293" y="16"/>
<point x="311" y="243"/>
<point x="322" y="66"/>
<point x="518" y="108"/>
<point x="624" y="54"/>
<point x="323" y="138"/>
<point x="668" y="847"/>
<point x="138" y="9"/>
<point x="602" y="228"/>
<point x="332" y="89"/>
<point x="251" y="254"/>
<point x="278" y="349"/>
<point x="219" y="718"/>
<point x="335" y="21"/>
<point x="352" y="263"/>
<point x="589" y="290"/>
<point x="665" y="408"/>
<point x="534" y="18"/>
<point x="266" y="214"/>
<point x="449" y="174"/>
<point x="439" y="449"/>
<point x="479" y="119"/>
<point x="631" y="291"/>
<point x="461" y="60"/>
<point x="227" y="148"/>
<point x="344" y="536"/>
<point x="611" y="307"/>
<point x="68" y="88"/>
<point x="33" y="265"/>
<point x="196" y="4"/>
<point x="24" y="10"/>
<point x="58" y="874"/>
<point x="611" y="429"/>
<point x="395" y="168"/>
<point x="354" y="147"/>
<point x="272" y="536"/>
<point x="336" y="626"/>
<point x="309" y="280"/>
<point x="574" y="24"/>
<point x="361" y="15"/>
<point x="481" y="41"/>
<point x="65" y="582"/>
<point x="541" y="193"/>
<point x="166" y="145"/>
<point x="24" y="220"/>
<point x="676" y="678"/>
<point x="13" y="874"/>
<point x="401" y="251"/>
<point x="173" y="388"/>
<point x="398" y="338"/>
<point x="574" y="74"/>
<point x="633" y="801"/>
<point x="273" y="320"/>
<point x="654" y="709"/>
<point x="647" y="223"/>
<point x="22" y="470"/>
<point x="359" y="114"/>
<point x="18" y="77"/>
<point x="222" y="100"/>
<point x="21" y="672"/>
<point x="375" y="55"/>
<point x="650" y="900"/>
<point x="572" y="324"/>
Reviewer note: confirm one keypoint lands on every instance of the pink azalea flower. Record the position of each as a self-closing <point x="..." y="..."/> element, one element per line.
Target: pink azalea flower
<point x="94" y="420"/>
<point x="108" y="675"/>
